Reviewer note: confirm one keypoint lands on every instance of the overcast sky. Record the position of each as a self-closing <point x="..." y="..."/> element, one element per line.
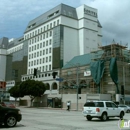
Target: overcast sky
<point x="114" y="16"/>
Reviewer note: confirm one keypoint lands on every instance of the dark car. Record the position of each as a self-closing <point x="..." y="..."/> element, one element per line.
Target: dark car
<point x="8" y="104"/>
<point x="9" y="116"/>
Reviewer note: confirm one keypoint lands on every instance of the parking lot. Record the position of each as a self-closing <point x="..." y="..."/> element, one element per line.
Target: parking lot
<point x="50" y="119"/>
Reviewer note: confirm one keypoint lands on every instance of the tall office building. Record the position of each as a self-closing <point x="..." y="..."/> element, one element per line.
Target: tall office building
<point x="49" y="42"/>
<point x="61" y="33"/>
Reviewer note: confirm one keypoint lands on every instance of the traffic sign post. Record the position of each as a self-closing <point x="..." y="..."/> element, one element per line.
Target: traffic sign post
<point x="60" y="80"/>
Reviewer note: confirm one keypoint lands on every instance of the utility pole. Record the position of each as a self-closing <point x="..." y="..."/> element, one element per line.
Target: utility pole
<point x="77" y="82"/>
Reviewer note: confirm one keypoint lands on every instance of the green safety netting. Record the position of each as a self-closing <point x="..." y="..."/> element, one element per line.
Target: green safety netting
<point x="114" y="71"/>
<point x="97" y="70"/>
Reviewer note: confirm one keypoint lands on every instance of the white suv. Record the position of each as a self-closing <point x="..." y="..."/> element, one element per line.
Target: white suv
<point x="102" y="110"/>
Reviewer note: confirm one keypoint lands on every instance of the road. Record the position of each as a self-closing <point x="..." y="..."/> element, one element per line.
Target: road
<point x="50" y="119"/>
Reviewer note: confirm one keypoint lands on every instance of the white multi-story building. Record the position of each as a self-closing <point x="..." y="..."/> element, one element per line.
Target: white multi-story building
<point x="58" y="35"/>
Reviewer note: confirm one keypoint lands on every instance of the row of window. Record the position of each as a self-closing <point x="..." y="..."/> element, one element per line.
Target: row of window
<point x="14" y="49"/>
<point x="40" y="61"/>
<point x="40" y="53"/>
<point x="42" y="29"/>
<point x="40" y="69"/>
<point x="40" y="37"/>
<point x="40" y="45"/>
<point x="11" y="82"/>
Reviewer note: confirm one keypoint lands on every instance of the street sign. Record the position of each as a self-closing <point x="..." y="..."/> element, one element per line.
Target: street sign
<point x="59" y="79"/>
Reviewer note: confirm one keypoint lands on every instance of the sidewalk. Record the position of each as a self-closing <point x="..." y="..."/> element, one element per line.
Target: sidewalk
<point x="51" y="108"/>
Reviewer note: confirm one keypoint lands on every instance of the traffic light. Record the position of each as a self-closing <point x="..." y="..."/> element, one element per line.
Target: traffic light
<point x="122" y="89"/>
<point x="54" y="75"/>
<point x="35" y="72"/>
<point x="79" y="90"/>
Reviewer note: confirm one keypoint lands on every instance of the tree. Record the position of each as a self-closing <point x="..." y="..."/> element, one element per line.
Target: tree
<point x="32" y="88"/>
<point x="14" y="91"/>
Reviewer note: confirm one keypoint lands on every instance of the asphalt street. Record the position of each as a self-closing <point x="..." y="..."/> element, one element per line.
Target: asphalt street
<point x="50" y="119"/>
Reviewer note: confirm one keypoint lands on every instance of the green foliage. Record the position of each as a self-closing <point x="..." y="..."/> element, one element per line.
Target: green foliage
<point x="14" y="92"/>
<point x="32" y="88"/>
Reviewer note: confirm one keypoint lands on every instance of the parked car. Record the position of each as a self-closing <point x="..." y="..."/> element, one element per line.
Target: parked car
<point x="8" y="104"/>
<point x="9" y="116"/>
<point x="102" y="110"/>
<point x="126" y="108"/>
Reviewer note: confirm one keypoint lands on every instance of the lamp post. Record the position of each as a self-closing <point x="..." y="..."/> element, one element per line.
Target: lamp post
<point x="77" y="82"/>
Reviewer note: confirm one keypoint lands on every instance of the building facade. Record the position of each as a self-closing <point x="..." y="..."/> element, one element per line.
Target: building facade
<point x="57" y="36"/>
<point x="49" y="42"/>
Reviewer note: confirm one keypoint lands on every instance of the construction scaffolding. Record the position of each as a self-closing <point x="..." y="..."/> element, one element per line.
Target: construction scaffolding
<point x="107" y="86"/>
<point x="122" y="55"/>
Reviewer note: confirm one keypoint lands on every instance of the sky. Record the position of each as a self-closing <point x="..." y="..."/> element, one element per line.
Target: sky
<point x="114" y="16"/>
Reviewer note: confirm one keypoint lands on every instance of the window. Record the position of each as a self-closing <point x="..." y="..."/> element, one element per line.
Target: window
<point x="50" y="42"/>
<point x="40" y="61"/>
<point x="50" y="33"/>
<point x="44" y="28"/>
<point x="40" y="37"/>
<point x="46" y="51"/>
<point x="32" y="55"/>
<point x="54" y="24"/>
<point x="43" y="52"/>
<point x="35" y="47"/>
<point x="40" y="53"/>
<point x="32" y="63"/>
<point x="57" y="22"/>
<point x="43" y="44"/>
<point x="50" y="25"/>
<point x="30" y="42"/>
<point x="37" y="62"/>
<point x="40" y="45"/>
<point x="49" y="50"/>
<point x="50" y="58"/>
<point x="47" y="27"/>
<point x="44" y="36"/>
<point x="29" y="56"/>
<point x="47" y="35"/>
<point x="46" y="67"/>
<point x="43" y="60"/>
<point x="29" y="64"/>
<point x="94" y="104"/>
<point x="43" y="68"/>
<point x="32" y="33"/>
<point x="36" y="32"/>
<point x="108" y="104"/>
<point x="49" y="67"/>
<point x="46" y="59"/>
